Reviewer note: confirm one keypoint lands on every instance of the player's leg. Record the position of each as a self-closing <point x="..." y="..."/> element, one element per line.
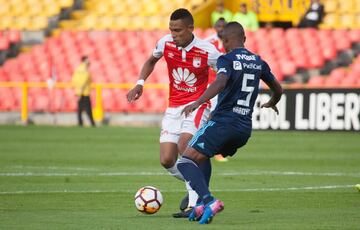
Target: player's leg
<point x="87" y="105"/>
<point x="188" y="166"/>
<point x="189" y="201"/>
<point x="79" y="111"/>
<point x="168" y="157"/>
<point x="189" y="127"/>
<point x="169" y="137"/>
<point x="205" y="143"/>
<point x="218" y="157"/>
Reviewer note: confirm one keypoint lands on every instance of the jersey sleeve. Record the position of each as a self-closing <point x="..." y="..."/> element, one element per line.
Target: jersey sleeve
<point x="214" y="54"/>
<point x="160" y="46"/>
<point x="224" y="66"/>
<point x="266" y="74"/>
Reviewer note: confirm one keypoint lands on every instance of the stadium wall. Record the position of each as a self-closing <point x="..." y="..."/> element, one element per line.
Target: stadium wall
<point x="311" y="109"/>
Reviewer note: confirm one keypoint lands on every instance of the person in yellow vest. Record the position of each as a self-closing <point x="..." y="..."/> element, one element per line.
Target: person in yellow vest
<point x="220" y="12"/>
<point x="81" y="80"/>
<point x="248" y="19"/>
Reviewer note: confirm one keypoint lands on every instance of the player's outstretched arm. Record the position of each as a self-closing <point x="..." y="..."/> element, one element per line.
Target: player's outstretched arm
<point x="136" y="92"/>
<point x="216" y="87"/>
<point x="277" y="91"/>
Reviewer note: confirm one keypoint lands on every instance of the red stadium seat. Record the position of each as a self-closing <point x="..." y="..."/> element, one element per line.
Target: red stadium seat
<point x="338" y="74"/>
<point x="287" y="67"/>
<point x="4" y="43"/>
<point x="316" y="81"/>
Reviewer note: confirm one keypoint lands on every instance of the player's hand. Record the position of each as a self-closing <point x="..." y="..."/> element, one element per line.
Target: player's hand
<point x="269" y="105"/>
<point x="135" y="93"/>
<point x="189" y="109"/>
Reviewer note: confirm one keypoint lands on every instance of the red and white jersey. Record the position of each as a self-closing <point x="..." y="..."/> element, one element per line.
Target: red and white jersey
<point x="188" y="68"/>
<point x="216" y="41"/>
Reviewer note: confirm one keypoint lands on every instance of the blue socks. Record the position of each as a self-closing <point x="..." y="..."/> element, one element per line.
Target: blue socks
<point x="205" y="168"/>
<point x="192" y="173"/>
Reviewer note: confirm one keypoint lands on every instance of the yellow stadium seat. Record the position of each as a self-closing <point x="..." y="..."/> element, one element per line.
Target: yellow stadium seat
<point x="4" y="9"/>
<point x="330" y="21"/>
<point x="68" y="24"/>
<point x="357" y="21"/>
<point x="50" y="11"/>
<point x="34" y="10"/>
<point x="89" y="22"/>
<point x="38" y="23"/>
<point x="347" y="21"/>
<point x="6" y="22"/>
<point x="20" y="23"/>
<point x="105" y="22"/>
<point x="121" y="22"/>
<point x="66" y="3"/>
<point x="20" y="10"/>
<point x="151" y="9"/>
<point x="101" y="9"/>
<point x="79" y="14"/>
<point x="118" y="9"/>
<point x="357" y="7"/>
<point x="137" y="23"/>
<point x="331" y="6"/>
<point x="346" y="6"/>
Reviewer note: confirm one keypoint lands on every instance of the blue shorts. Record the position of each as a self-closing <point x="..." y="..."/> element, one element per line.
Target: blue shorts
<point x="214" y="138"/>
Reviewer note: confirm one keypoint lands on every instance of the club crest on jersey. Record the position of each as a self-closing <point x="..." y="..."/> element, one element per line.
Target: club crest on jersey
<point x="197" y="62"/>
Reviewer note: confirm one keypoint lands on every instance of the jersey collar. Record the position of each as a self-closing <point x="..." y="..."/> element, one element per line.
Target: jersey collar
<point x="190" y="46"/>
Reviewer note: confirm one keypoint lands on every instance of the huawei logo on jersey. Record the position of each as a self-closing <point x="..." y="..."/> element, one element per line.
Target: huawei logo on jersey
<point x="183" y="75"/>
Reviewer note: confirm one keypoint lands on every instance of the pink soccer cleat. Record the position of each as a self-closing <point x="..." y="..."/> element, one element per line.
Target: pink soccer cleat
<point x="210" y="210"/>
<point x="197" y="212"/>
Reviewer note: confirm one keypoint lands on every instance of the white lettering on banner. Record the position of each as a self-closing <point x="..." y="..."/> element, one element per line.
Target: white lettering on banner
<point x="267" y="118"/>
<point x="352" y="110"/>
<point x="323" y="110"/>
<point x="312" y="111"/>
<point x="300" y="123"/>
<point x="337" y="110"/>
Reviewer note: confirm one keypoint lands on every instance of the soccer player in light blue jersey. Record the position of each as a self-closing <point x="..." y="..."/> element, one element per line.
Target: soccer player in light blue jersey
<point x="237" y="83"/>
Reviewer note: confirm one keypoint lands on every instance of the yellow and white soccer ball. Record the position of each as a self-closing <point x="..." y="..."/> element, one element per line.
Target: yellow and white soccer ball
<point x="148" y="199"/>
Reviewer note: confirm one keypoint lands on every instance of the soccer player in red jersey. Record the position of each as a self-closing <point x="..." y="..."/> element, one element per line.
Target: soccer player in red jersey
<point x="215" y="39"/>
<point x="188" y="60"/>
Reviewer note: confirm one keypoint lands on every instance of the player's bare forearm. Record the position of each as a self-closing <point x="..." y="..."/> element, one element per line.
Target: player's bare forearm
<point x="136" y="92"/>
<point x="277" y="91"/>
<point x="148" y="67"/>
<point x="216" y="87"/>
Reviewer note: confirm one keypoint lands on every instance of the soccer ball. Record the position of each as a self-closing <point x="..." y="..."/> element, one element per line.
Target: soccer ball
<point x="148" y="200"/>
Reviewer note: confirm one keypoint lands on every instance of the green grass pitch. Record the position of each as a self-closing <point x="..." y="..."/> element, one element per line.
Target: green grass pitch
<point x="85" y="178"/>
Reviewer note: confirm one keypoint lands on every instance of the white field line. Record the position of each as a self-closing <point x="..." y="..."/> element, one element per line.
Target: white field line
<point x="112" y="174"/>
<point x="326" y="187"/>
<point x="52" y="168"/>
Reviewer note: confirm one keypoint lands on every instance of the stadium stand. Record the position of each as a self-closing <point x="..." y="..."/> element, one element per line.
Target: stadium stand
<point x="30" y="14"/>
<point x="287" y="51"/>
<point x="9" y="44"/>
<point x="341" y="14"/>
<point x="121" y="15"/>
<point x="117" y="34"/>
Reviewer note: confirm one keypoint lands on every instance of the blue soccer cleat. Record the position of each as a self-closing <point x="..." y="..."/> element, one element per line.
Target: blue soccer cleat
<point x="210" y="210"/>
<point x="197" y="212"/>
